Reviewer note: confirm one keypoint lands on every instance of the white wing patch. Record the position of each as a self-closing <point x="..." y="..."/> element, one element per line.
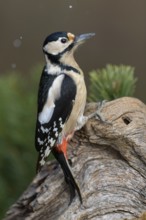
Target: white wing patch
<point x="53" y="95"/>
<point x="46" y="114"/>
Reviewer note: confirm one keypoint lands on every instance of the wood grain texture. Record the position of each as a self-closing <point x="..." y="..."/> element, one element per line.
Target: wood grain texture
<point x="109" y="164"/>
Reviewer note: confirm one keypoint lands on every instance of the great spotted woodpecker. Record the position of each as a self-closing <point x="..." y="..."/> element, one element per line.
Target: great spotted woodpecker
<point x="61" y="102"/>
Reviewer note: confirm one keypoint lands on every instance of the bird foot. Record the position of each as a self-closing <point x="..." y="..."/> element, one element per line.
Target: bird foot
<point x="98" y="114"/>
<point x="83" y="119"/>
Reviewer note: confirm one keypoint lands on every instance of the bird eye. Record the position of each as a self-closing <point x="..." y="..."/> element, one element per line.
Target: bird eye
<point x="63" y="40"/>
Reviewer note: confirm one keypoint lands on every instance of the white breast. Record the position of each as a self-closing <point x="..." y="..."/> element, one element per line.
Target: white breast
<point x="79" y="106"/>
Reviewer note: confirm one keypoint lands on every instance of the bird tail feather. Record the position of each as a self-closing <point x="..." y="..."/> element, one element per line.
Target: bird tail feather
<point x="73" y="186"/>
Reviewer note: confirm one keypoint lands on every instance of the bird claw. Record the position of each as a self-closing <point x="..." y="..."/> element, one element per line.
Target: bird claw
<point x="98" y="114"/>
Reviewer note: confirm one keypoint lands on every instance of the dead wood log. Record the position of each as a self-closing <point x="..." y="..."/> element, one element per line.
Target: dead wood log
<point x="109" y="164"/>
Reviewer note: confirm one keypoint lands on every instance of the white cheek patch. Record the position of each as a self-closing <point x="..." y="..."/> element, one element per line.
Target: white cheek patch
<point x="56" y="47"/>
<point x="53" y="94"/>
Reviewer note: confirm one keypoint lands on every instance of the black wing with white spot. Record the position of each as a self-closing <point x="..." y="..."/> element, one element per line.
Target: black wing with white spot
<point x="55" y="102"/>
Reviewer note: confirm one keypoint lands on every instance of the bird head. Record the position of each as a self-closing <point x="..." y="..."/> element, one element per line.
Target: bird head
<point x="60" y="44"/>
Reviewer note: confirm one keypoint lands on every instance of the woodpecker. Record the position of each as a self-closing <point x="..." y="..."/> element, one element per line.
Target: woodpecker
<point x="61" y="102"/>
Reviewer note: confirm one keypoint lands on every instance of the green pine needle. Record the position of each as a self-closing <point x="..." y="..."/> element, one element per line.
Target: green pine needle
<point x="112" y="82"/>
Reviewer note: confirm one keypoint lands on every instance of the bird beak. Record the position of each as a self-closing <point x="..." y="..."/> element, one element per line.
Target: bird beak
<point x="81" y="38"/>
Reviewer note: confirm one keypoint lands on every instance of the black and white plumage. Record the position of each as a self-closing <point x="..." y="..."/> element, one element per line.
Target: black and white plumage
<point x="53" y="112"/>
<point x="61" y="101"/>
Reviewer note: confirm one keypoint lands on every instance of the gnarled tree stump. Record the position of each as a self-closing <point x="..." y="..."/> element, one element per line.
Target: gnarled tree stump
<point x="109" y="164"/>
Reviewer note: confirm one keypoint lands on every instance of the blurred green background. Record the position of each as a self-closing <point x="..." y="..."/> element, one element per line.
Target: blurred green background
<point x="17" y="126"/>
<point x="120" y="39"/>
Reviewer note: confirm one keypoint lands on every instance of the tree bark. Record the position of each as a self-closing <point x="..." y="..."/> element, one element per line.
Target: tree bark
<point x="109" y="163"/>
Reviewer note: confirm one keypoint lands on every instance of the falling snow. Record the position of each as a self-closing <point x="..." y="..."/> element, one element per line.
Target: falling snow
<point x="13" y="65"/>
<point x="17" y="42"/>
<point x="70" y="6"/>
